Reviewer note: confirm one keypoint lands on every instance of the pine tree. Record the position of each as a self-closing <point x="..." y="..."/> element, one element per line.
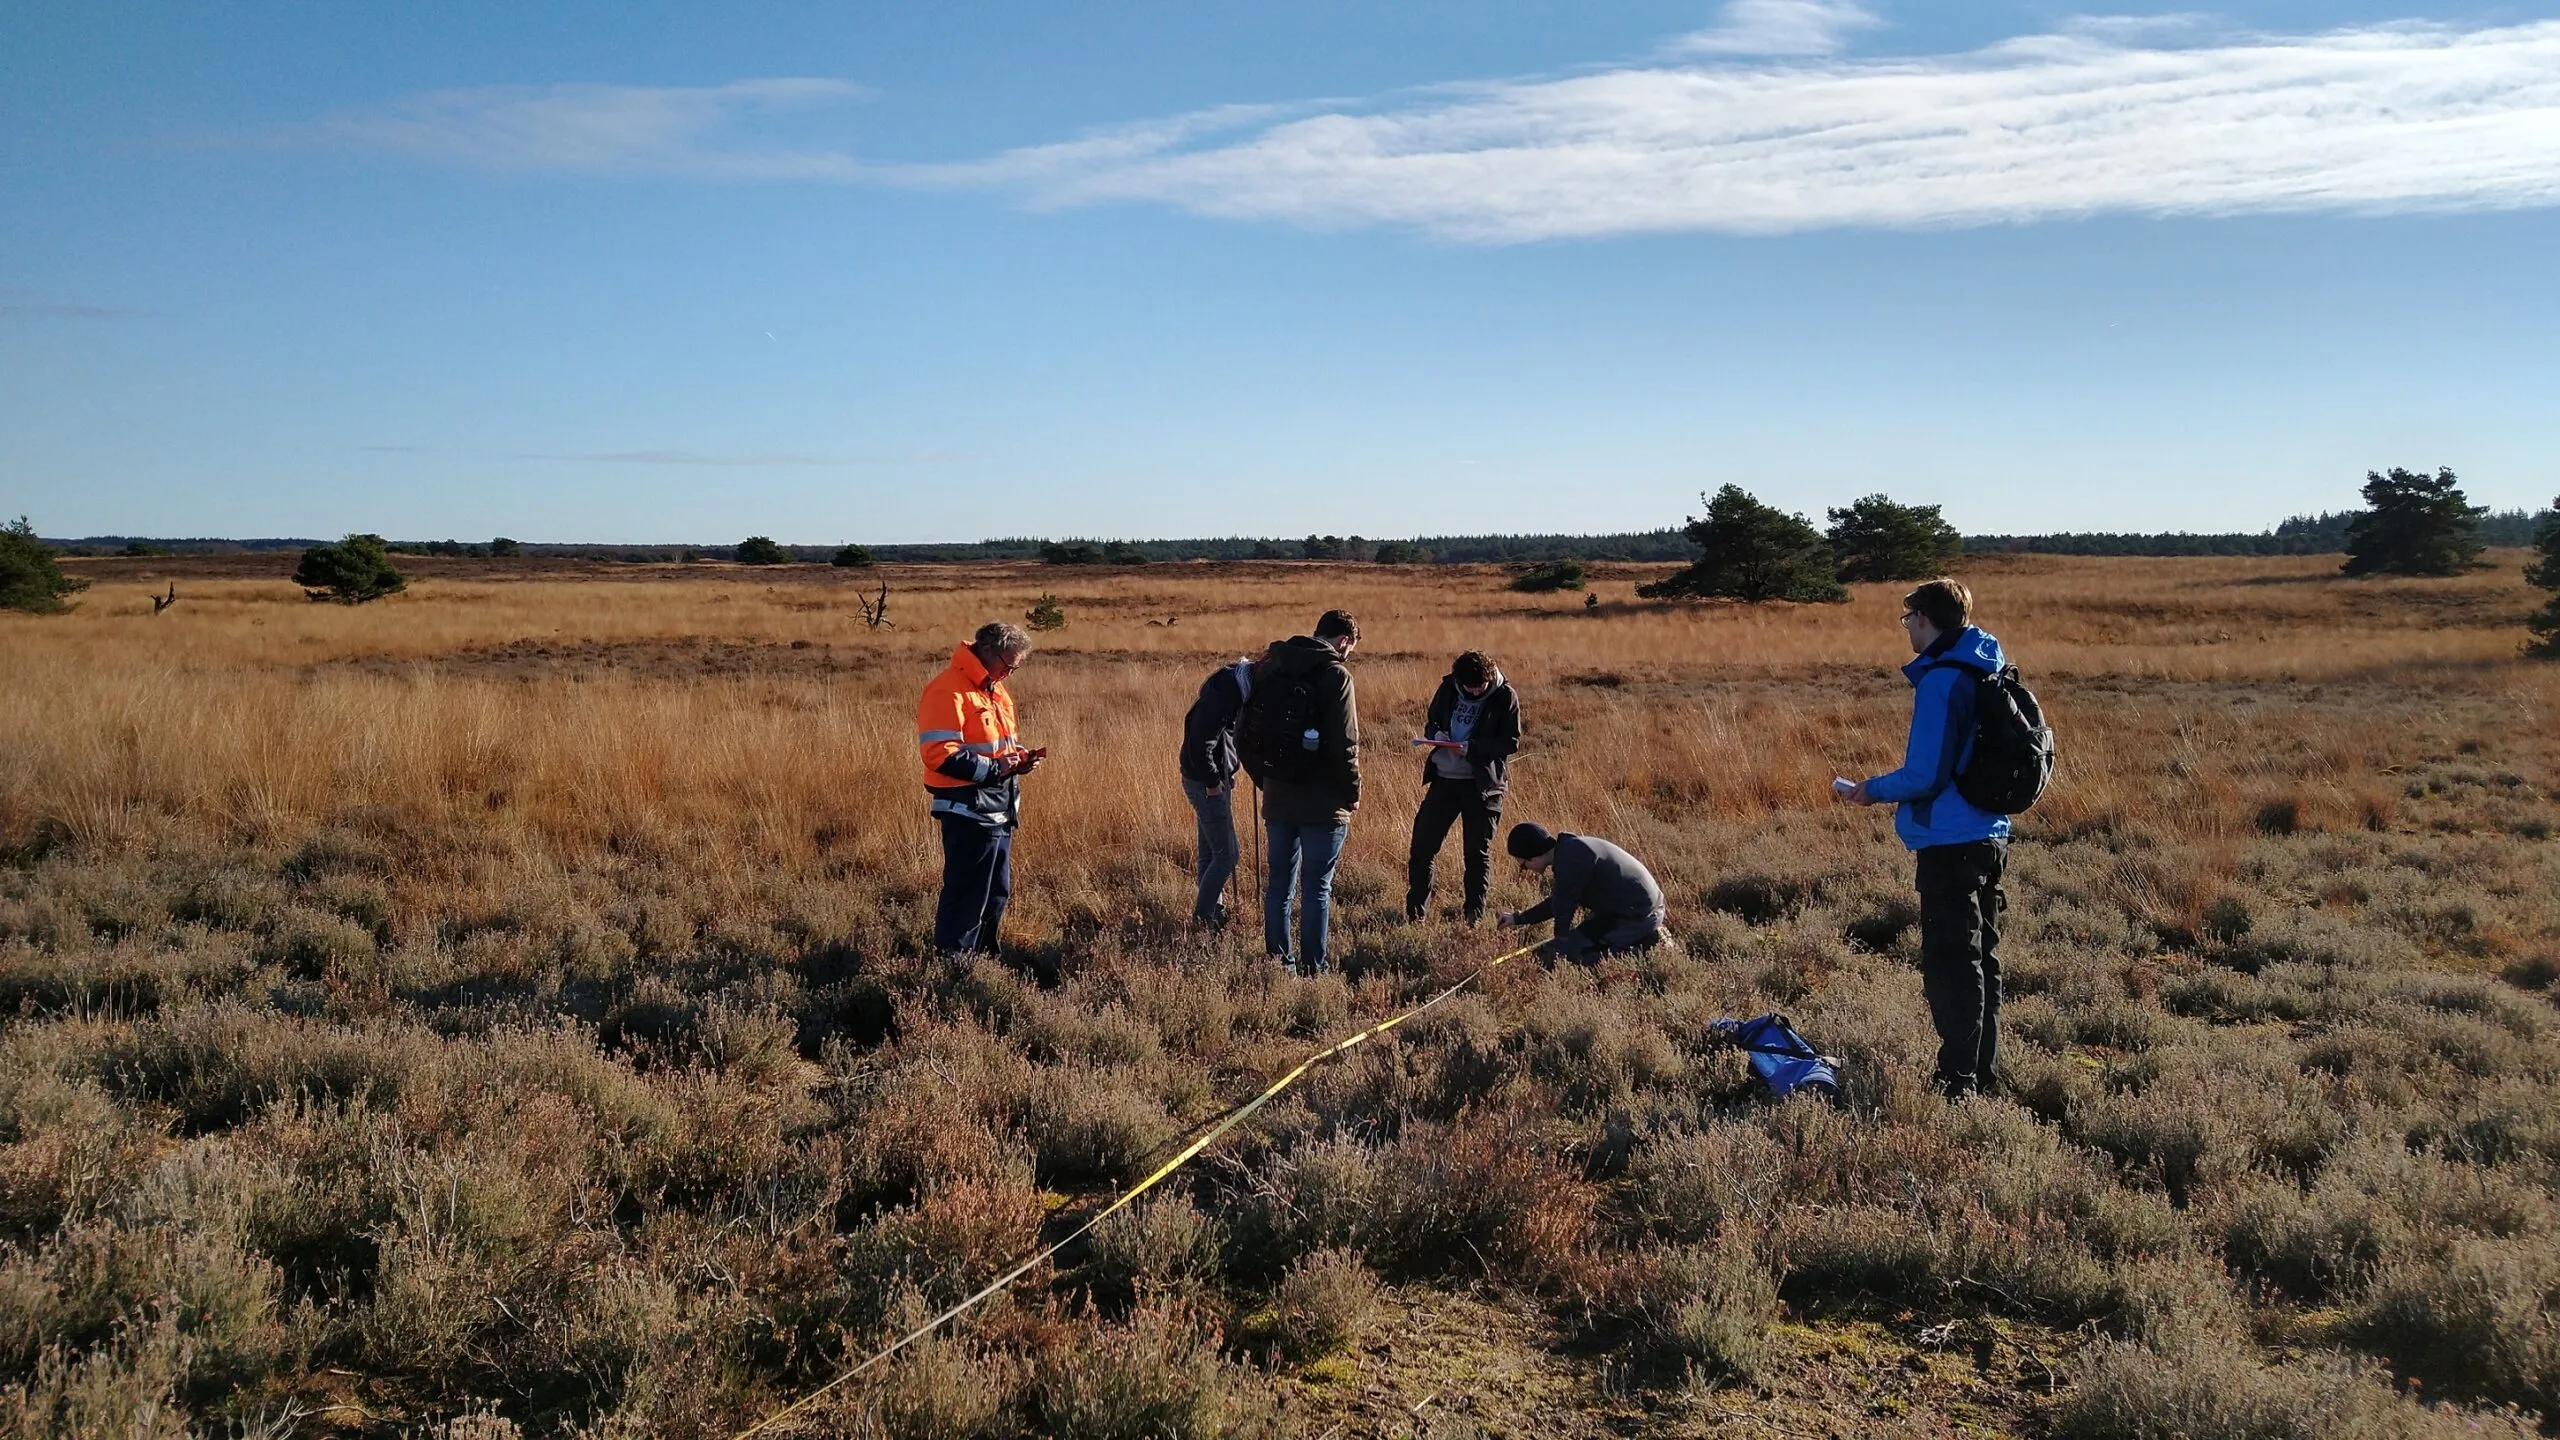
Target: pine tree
<point x="353" y="571"/>
<point x="1876" y="539"/>
<point x="29" y="580"/>
<point x="1750" y="551"/>
<point x="2544" y="574"/>
<point x="2413" y="524"/>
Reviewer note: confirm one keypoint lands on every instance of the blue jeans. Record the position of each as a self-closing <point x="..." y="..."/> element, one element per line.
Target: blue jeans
<point x="1302" y="858"/>
<point x="977" y="880"/>
<point x="1218" y="849"/>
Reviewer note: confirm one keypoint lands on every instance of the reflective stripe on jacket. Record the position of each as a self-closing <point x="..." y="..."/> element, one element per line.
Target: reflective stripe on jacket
<point x="963" y="724"/>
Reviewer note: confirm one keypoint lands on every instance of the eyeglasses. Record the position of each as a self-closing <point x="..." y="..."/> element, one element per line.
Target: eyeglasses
<point x="1910" y="615"/>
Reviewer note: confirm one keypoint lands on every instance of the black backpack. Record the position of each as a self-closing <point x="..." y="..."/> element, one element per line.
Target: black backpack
<point x="1271" y="732"/>
<point x="2012" y="758"/>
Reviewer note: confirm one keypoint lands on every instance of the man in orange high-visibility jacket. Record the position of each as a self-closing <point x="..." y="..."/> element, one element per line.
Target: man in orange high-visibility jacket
<point x="972" y="766"/>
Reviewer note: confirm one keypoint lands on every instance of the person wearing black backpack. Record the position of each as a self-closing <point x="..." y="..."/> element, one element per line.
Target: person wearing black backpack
<point x="1470" y="733"/>
<point x="1299" y="738"/>
<point x="1960" y="840"/>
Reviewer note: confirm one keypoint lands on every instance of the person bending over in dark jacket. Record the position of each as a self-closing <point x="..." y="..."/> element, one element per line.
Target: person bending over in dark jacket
<point x="1959" y="851"/>
<point x="1307" y="804"/>
<point x="1588" y="874"/>
<point x="1209" y="767"/>
<point x="1473" y="726"/>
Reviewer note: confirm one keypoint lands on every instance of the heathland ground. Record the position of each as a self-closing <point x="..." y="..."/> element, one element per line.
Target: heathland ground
<point x="501" y="1007"/>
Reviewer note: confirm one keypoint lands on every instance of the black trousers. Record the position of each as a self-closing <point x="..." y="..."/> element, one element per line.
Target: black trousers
<point x="977" y="881"/>
<point x="1445" y="801"/>
<point x="1960" y="907"/>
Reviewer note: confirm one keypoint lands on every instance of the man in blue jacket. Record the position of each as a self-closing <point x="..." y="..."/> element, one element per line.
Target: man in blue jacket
<point x="1961" y="851"/>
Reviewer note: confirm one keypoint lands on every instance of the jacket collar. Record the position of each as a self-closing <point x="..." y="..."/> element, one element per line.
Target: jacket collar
<point x="970" y="667"/>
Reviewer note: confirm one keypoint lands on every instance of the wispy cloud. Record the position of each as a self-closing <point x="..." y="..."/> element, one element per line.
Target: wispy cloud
<point x="1779" y="27"/>
<point x="697" y="132"/>
<point x="2148" y="117"/>
<point x="2382" y="119"/>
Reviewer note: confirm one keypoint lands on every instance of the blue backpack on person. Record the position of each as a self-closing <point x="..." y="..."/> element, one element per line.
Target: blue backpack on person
<point x="1782" y="1061"/>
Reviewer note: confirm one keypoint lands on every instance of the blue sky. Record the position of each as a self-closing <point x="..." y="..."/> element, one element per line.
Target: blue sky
<point x="657" y="273"/>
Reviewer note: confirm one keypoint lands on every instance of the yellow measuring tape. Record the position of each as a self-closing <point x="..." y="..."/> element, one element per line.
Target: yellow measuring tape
<point x="1182" y="1157"/>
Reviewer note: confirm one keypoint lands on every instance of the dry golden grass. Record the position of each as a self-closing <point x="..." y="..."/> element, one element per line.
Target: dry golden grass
<point x="508" y="995"/>
<point x="737" y="720"/>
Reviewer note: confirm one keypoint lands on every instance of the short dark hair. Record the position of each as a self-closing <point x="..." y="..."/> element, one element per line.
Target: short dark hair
<point x="1473" y="668"/>
<point x="1943" y="602"/>
<point x="1000" y="637"/>
<point x="1334" y="623"/>
<point x="1528" y="841"/>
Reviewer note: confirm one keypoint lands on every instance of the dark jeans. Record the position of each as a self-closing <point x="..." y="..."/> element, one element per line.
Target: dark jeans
<point x="1218" y="850"/>
<point x="1444" y="801"/>
<point x="977" y="880"/>
<point x="1302" y="858"/>
<point x="1960" y="906"/>
<point x="1600" y="935"/>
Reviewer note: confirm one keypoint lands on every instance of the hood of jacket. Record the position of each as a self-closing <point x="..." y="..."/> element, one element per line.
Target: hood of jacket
<point x="1969" y="647"/>
<point x="1302" y="655"/>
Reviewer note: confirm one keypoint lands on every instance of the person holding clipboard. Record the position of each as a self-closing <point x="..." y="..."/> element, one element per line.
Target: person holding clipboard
<point x="1468" y="737"/>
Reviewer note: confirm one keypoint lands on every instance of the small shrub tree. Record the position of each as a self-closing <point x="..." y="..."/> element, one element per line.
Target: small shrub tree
<point x="1876" y="539"/>
<point x="853" y="557"/>
<point x="2413" y="524"/>
<point x="351" y="572"/>
<point x="1046" y="614"/>
<point x="503" y="548"/>
<point x="760" y="550"/>
<point x="1754" y="552"/>
<point x="1554" y="575"/>
<point x="2543" y="573"/>
<point x="29" y="580"/>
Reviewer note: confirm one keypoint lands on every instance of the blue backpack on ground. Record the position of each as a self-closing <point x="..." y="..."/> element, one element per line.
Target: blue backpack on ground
<point x="1781" y="1060"/>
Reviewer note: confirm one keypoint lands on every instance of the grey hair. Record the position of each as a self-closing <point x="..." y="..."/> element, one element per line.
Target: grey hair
<point x="1001" y="638"/>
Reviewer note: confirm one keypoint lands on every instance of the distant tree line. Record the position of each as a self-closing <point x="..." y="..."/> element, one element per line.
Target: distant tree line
<point x="1862" y="529"/>
<point x="2322" y="534"/>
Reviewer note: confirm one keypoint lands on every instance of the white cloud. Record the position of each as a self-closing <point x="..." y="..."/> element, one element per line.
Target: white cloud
<point x="1779" y="27"/>
<point x="2102" y="117"/>
<point x="2380" y="119"/>
<point x="686" y="131"/>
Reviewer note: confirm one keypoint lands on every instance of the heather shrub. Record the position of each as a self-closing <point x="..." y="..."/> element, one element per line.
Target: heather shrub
<point x="2128" y="1392"/>
<point x="1324" y="1193"/>
<point x="1686" y="1186"/>
<point x="2311" y="1246"/>
<point x="945" y="1387"/>
<point x="1707" y="1308"/>
<point x="1475" y="1195"/>
<point x="1158" y="1246"/>
<point x="2473" y="1318"/>
<point x="960" y="1234"/>
<point x="1157" y="1377"/>
<point x="1323" y="1304"/>
<point x="123" y="1390"/>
